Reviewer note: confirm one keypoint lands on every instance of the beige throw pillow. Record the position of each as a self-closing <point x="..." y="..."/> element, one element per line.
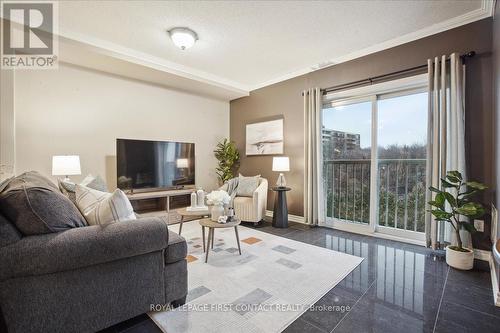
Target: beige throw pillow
<point x="101" y="207"/>
<point x="247" y="185"/>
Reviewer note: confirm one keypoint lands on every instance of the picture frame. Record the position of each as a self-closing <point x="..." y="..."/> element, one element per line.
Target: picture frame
<point x="265" y="138"/>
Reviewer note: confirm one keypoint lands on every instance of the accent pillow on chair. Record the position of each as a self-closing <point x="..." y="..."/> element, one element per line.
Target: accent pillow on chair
<point x="101" y="207"/>
<point x="247" y="185"/>
<point x="35" y="206"/>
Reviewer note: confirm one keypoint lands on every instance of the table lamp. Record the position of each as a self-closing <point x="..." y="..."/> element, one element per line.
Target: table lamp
<point x="66" y="165"/>
<point x="281" y="164"/>
<point x="182" y="163"/>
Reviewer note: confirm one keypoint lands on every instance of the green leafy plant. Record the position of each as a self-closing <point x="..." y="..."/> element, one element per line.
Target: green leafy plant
<point x="453" y="202"/>
<point x="229" y="160"/>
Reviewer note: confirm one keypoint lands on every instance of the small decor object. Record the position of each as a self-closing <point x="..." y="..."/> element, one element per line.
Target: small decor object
<point x="197" y="201"/>
<point x="66" y="165"/>
<point x="281" y="164"/>
<point x="230" y="214"/>
<point x="222" y="219"/>
<point x="452" y="206"/>
<point x="194" y="200"/>
<point x="218" y="199"/>
<point x="229" y="158"/>
<point x="265" y="138"/>
<point x="200" y="197"/>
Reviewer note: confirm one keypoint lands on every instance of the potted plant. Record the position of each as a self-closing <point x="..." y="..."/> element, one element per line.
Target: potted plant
<point x="453" y="204"/>
<point x="229" y="158"/>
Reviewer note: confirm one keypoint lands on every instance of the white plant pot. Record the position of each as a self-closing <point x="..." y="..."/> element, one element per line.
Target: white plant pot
<point x="460" y="260"/>
<point x="217" y="210"/>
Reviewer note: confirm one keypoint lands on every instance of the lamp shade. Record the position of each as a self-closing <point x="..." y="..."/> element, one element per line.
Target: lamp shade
<point x="182" y="163"/>
<point x="281" y="163"/>
<point x="66" y="165"/>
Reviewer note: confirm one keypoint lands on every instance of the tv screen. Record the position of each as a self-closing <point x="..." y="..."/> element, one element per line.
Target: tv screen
<point x="152" y="165"/>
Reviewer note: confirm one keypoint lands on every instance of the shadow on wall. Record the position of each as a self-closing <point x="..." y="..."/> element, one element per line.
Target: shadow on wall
<point x="111" y="172"/>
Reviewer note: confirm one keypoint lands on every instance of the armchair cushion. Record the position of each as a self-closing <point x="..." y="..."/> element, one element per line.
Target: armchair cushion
<point x="82" y="247"/>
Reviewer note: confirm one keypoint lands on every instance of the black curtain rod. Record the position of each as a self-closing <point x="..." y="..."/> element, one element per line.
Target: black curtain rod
<point x="371" y="80"/>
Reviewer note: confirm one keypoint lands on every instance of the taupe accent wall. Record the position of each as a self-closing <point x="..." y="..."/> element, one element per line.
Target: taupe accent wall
<point x="285" y="99"/>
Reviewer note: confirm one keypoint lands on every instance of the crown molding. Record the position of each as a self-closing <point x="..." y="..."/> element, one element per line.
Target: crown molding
<point x="487" y="9"/>
<point x="148" y="60"/>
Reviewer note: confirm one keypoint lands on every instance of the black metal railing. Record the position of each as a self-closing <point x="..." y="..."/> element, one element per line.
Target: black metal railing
<point x="401" y="192"/>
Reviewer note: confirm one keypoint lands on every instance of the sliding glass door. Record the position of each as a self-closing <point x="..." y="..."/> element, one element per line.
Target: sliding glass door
<point x="402" y="149"/>
<point x="347" y="146"/>
<point x="374" y="162"/>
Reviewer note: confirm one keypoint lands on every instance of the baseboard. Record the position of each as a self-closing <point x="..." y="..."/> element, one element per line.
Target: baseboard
<point x="291" y="218"/>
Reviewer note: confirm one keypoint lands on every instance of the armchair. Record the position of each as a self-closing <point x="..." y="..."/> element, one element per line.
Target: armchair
<point x="251" y="209"/>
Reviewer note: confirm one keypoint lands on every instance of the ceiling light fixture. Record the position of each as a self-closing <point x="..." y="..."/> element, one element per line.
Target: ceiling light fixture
<point x="183" y="38"/>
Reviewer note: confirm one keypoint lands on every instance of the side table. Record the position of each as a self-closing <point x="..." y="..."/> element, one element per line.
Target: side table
<point x="280" y="214"/>
<point x="183" y="212"/>
<point x="211" y="225"/>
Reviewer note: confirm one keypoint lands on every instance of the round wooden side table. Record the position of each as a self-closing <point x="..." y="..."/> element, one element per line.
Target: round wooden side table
<point x="196" y="213"/>
<point x="211" y="225"/>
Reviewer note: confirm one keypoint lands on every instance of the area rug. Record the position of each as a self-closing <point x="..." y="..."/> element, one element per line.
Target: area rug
<point x="264" y="289"/>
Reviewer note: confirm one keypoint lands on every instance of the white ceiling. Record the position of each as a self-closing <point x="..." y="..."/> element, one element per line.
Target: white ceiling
<point x="245" y="45"/>
<point x="249" y="44"/>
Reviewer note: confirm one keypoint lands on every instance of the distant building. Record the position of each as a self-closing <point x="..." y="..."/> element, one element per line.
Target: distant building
<point x="338" y="143"/>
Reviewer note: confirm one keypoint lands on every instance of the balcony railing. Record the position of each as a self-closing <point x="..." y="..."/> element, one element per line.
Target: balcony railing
<point x="401" y="192"/>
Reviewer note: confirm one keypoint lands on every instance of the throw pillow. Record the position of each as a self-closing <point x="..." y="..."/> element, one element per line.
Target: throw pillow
<point x="247" y="185"/>
<point x="68" y="188"/>
<point x="35" y="206"/>
<point x="101" y="207"/>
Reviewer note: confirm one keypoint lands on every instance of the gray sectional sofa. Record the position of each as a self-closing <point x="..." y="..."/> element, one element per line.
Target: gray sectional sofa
<point x="88" y="278"/>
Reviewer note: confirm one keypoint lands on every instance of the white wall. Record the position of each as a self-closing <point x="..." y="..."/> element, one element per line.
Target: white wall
<point x="78" y="111"/>
<point x="7" y="121"/>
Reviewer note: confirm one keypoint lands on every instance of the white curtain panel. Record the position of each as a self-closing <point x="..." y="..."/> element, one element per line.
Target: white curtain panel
<point x="313" y="205"/>
<point x="446" y="133"/>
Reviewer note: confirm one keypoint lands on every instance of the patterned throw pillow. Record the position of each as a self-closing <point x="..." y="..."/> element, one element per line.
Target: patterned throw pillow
<point x="101" y="207"/>
<point x="68" y="188"/>
<point x="247" y="185"/>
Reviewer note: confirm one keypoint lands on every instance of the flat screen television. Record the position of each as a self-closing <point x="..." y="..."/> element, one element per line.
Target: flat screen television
<point x="151" y="165"/>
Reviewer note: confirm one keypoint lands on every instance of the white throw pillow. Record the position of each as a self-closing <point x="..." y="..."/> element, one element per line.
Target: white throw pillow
<point x="101" y="207"/>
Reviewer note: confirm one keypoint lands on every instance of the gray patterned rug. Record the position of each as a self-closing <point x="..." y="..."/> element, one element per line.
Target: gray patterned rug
<point x="264" y="289"/>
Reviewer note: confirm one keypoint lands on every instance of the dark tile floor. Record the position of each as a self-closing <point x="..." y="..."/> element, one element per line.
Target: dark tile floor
<point x="397" y="288"/>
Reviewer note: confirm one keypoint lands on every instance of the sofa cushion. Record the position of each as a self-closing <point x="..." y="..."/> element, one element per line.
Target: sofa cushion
<point x="247" y="185"/>
<point x="177" y="248"/>
<point x="35" y="206"/>
<point x="8" y="232"/>
<point x="103" y="207"/>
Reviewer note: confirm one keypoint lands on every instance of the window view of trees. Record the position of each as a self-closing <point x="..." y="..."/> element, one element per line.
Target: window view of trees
<point x="401" y="169"/>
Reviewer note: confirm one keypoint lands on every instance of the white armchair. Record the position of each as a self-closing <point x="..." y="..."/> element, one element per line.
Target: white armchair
<point x="251" y="209"/>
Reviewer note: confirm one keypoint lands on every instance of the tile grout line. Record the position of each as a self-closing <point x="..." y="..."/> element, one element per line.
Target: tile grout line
<point x="441" y="300"/>
<point x="341" y="320"/>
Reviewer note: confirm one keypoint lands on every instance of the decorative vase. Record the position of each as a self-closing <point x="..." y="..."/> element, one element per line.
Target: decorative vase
<point x="194" y="200"/>
<point x="460" y="260"/>
<point x="200" y="200"/>
<point x="217" y="210"/>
